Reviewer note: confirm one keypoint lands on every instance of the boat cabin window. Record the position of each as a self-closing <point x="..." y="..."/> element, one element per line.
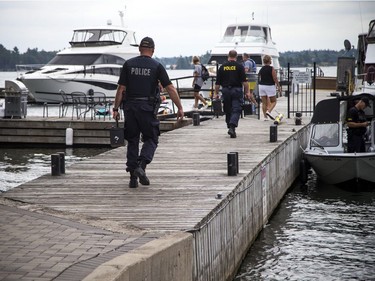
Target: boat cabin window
<point x="86" y="59"/>
<point x="257" y="34"/>
<point x="76" y="59"/>
<point x="371" y="32"/>
<point x="245" y="33"/>
<point x="109" y="59"/>
<point x="82" y="38"/>
<point x="230" y="31"/>
<point x="326" y="135"/>
<point x="237" y="33"/>
<point x="112" y="35"/>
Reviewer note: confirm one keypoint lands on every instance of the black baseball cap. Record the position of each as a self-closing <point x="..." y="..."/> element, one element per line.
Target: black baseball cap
<point x="147" y="42"/>
<point x="366" y="101"/>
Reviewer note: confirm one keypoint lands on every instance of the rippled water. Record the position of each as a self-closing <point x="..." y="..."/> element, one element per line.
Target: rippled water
<point x="320" y="232"/>
<point x="19" y="165"/>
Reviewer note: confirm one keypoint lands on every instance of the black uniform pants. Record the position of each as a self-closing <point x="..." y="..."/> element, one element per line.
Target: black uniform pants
<point x="140" y="119"/>
<point x="356" y="143"/>
<point x="233" y="101"/>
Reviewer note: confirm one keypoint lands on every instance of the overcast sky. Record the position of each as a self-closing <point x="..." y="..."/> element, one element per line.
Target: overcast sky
<point x="185" y="27"/>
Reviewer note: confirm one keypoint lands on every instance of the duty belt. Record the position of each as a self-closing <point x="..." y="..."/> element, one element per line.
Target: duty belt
<point x="141" y="99"/>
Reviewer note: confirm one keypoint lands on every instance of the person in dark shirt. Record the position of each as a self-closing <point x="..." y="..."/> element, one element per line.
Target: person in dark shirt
<point x="232" y="79"/>
<point x="138" y="91"/>
<point x="357" y="126"/>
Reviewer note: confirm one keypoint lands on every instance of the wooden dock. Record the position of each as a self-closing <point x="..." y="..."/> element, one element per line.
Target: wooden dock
<point x="52" y="130"/>
<point x="188" y="172"/>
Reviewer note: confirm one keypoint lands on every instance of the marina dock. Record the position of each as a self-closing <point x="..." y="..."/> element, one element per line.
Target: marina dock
<point x="52" y="130"/>
<point x="194" y="222"/>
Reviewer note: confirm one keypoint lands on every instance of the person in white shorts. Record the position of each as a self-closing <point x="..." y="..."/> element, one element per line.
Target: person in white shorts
<point x="268" y="83"/>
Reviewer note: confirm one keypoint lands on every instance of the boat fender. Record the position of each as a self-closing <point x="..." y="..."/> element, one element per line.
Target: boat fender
<point x="69" y="136"/>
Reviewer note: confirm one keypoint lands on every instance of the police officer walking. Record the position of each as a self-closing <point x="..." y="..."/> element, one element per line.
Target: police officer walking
<point x="357" y="126"/>
<point x="139" y="93"/>
<point x="231" y="77"/>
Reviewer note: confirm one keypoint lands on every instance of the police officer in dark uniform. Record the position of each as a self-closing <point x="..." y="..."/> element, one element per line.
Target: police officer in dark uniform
<point x="357" y="123"/>
<point x="232" y="78"/>
<point x="138" y="92"/>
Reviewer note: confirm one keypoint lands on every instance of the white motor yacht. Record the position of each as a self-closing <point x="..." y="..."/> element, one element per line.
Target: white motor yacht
<point x="252" y="38"/>
<point x="92" y="63"/>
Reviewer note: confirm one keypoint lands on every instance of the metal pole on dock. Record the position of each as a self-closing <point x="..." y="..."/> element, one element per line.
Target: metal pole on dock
<point x="273" y="133"/>
<point x="196" y="119"/>
<point x="55" y="165"/>
<point x="62" y="162"/>
<point x="232" y="160"/>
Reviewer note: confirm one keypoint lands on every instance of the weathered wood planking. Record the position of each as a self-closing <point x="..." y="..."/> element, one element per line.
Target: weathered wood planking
<point x="52" y="130"/>
<point x="189" y="169"/>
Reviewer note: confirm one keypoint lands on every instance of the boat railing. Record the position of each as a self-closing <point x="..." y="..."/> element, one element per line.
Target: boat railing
<point x="24" y="68"/>
<point x="28" y="67"/>
<point x="188" y="92"/>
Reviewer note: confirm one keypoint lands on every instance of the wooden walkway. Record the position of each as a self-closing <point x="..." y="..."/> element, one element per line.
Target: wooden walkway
<point x="189" y="169"/>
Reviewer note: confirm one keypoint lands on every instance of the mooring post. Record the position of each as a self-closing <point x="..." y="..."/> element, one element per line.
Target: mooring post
<point x="62" y="162"/>
<point x="231" y="162"/>
<point x="55" y="165"/>
<point x="273" y="133"/>
<point x="298" y="119"/>
<point x="196" y="119"/>
<point x="237" y="165"/>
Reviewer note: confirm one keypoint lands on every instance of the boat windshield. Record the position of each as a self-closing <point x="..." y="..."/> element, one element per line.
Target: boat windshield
<point x="371" y="32"/>
<point x="245" y="33"/>
<point x="326" y="135"/>
<point x="99" y="37"/>
<point x="86" y="59"/>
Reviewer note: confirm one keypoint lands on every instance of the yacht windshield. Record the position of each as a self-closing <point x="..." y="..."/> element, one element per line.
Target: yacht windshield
<point x="97" y="37"/>
<point x="245" y="33"/>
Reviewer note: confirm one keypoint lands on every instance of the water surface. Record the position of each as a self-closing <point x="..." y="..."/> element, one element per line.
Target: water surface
<point x="19" y="165"/>
<point x="319" y="232"/>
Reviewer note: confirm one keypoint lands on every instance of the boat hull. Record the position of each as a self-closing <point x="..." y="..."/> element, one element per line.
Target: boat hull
<point x="47" y="89"/>
<point x="342" y="167"/>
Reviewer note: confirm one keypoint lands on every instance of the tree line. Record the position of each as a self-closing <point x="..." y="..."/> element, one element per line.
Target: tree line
<point x="10" y="58"/>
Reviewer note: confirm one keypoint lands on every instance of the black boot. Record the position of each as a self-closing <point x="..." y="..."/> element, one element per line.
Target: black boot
<point x="141" y="174"/>
<point x="232" y="132"/>
<point x="133" y="183"/>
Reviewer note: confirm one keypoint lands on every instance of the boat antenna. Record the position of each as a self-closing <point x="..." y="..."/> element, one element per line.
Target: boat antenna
<point x="121" y="13"/>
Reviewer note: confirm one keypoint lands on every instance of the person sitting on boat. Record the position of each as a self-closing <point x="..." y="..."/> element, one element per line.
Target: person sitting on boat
<point x="356" y="121"/>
